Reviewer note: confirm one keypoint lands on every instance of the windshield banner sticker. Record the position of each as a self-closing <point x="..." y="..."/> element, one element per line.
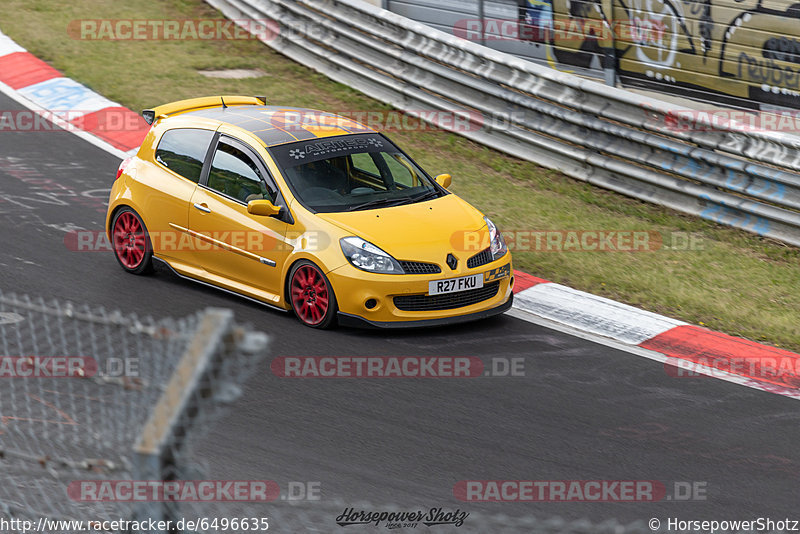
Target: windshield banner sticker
<point x="294" y="154"/>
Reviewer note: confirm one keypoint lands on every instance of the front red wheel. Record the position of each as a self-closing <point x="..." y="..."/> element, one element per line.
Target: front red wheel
<point x="131" y="244"/>
<point x="311" y="295"/>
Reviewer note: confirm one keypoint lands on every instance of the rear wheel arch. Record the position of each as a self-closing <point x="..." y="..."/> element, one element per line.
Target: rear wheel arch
<point x="112" y="215"/>
<point x="125" y="203"/>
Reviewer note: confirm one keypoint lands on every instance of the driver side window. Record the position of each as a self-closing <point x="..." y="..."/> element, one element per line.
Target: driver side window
<point x="235" y="174"/>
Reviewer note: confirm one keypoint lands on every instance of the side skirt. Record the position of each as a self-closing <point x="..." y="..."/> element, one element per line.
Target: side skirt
<point x="207" y="284"/>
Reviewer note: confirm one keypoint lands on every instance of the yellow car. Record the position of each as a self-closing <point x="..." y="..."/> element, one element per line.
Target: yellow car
<point x="306" y="211"/>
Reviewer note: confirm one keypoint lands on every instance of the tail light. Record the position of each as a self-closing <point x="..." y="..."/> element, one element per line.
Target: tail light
<point x="122" y="168"/>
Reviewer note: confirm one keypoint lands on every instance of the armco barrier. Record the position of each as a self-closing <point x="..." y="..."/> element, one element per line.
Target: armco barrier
<point x="606" y="136"/>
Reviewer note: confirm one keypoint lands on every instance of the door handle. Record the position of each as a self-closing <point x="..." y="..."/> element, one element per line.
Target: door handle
<point x="202" y="207"/>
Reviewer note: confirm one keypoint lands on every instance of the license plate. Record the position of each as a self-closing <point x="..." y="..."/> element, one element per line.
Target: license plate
<point x="454" y="285"/>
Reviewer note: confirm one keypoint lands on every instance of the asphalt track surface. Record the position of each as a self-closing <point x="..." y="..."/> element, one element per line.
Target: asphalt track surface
<point x="581" y="412"/>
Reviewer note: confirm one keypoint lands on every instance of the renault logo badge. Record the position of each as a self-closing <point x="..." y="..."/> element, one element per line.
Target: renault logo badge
<point x="452" y="262"/>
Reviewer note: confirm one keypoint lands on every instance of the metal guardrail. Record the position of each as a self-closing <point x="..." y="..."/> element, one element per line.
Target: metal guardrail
<point x="605" y="136"/>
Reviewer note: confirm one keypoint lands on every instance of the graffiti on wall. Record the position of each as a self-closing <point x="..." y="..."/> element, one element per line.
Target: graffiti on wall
<point x="741" y="52"/>
<point x="537" y="13"/>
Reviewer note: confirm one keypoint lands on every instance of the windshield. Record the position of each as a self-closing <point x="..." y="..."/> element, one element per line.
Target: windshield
<point x="353" y="173"/>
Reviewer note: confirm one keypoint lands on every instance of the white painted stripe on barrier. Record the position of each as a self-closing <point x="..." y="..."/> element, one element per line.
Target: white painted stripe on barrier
<point x="66" y="95"/>
<point x="590" y="313"/>
<point x="7" y="46"/>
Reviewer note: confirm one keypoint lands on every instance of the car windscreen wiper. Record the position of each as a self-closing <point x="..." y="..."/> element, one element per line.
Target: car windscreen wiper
<point x="381" y="202"/>
<point x="426" y="196"/>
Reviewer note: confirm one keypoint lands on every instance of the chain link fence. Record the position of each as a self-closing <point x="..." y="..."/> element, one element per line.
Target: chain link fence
<point x="90" y="395"/>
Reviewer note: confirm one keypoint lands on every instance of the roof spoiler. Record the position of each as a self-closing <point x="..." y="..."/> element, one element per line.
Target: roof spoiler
<point x="151" y="115"/>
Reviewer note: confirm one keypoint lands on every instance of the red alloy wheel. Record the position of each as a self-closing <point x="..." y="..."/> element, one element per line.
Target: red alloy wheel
<point x="311" y="296"/>
<point x="130" y="242"/>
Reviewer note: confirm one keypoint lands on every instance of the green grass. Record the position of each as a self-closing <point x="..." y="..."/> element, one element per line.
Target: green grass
<point x="738" y="283"/>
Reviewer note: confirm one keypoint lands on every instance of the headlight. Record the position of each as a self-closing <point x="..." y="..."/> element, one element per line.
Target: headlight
<point x="498" y="245"/>
<point x="368" y="257"/>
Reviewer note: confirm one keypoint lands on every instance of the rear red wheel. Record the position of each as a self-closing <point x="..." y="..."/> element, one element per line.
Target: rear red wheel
<point x="131" y="244"/>
<point x="312" y="296"/>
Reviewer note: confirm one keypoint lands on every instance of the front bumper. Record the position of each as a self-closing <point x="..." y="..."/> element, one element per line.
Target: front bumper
<point x="368" y="299"/>
<point x="345" y="319"/>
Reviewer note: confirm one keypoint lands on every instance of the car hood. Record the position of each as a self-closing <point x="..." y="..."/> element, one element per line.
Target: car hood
<point x="425" y="231"/>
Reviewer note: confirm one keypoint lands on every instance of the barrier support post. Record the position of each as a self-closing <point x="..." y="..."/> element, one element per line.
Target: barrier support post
<point x="608" y="44"/>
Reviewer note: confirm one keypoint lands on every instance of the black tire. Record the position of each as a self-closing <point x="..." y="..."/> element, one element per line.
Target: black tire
<point x="313" y="306"/>
<point x="131" y="242"/>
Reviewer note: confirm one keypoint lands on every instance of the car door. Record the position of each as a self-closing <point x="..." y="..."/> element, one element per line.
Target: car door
<point x="238" y="250"/>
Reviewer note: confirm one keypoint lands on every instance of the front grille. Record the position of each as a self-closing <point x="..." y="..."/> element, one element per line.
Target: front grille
<point x="448" y="301"/>
<point x="479" y="259"/>
<point x="417" y="267"/>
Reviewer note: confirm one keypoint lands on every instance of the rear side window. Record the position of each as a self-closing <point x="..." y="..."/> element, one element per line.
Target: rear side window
<point x="183" y="151"/>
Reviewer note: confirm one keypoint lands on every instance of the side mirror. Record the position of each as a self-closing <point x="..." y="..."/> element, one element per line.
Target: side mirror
<point x="264" y="208"/>
<point x="444" y="180"/>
